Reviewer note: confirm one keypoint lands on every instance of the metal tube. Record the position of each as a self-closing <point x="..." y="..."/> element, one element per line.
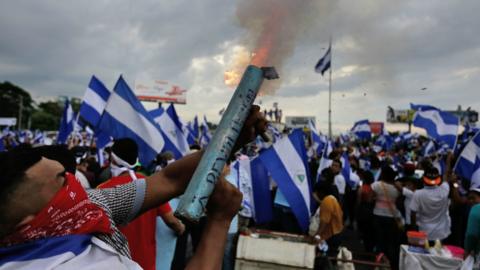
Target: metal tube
<point x="193" y="202"/>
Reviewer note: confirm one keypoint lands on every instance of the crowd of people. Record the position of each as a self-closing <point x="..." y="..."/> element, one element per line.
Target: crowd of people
<point x="63" y="207"/>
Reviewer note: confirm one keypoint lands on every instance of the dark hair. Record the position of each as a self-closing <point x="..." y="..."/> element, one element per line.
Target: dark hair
<point x="13" y="165"/>
<point x="388" y="174"/>
<point x="325" y="188"/>
<point x="475" y="192"/>
<point x="58" y="153"/>
<point x="338" y="161"/>
<point x="375" y="162"/>
<point x="126" y="149"/>
<point x="327" y="175"/>
<point x="368" y="177"/>
<point x="195" y="147"/>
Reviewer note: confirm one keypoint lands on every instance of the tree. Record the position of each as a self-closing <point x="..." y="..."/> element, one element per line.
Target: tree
<point x="44" y="121"/>
<point x="48" y="115"/>
<point x="10" y="98"/>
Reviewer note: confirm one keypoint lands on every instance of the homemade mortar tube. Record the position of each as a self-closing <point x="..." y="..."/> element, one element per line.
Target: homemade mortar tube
<point x="194" y="201"/>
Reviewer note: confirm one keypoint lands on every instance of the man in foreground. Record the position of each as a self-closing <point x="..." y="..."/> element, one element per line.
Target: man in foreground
<point x="48" y="221"/>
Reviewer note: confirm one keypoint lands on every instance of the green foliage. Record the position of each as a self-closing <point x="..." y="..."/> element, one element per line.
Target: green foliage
<point x="10" y="97"/>
<point x="44" y="121"/>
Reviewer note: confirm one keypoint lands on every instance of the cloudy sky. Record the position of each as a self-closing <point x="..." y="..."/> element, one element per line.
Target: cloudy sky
<point x="384" y="52"/>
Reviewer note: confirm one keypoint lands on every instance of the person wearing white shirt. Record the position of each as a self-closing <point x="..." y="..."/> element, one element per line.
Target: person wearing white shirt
<point x="339" y="180"/>
<point x="429" y="206"/>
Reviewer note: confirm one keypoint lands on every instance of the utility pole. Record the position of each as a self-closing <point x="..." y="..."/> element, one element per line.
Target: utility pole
<point x="330" y="95"/>
<point x="20" y="111"/>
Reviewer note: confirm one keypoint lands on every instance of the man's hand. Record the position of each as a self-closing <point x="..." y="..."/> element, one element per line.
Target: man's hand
<point x="254" y="125"/>
<point x="225" y="201"/>
<point x="223" y="205"/>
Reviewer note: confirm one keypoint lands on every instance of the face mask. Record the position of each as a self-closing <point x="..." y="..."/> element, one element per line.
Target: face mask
<point x="69" y="212"/>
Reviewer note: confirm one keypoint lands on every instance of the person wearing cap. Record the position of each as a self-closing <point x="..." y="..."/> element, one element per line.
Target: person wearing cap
<point x="429" y="206"/>
<point x="472" y="235"/>
<point x="124" y="158"/>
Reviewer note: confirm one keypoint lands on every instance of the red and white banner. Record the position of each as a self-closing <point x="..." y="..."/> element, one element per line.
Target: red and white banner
<point x="160" y="91"/>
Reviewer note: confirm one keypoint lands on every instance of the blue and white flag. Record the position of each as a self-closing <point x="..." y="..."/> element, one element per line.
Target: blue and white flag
<point x="195" y="130"/>
<point x="2" y="145"/>
<point x="344" y="138"/>
<point x="317" y="142"/>
<point x="468" y="132"/>
<point x="102" y="138"/>
<point x="39" y="137"/>
<point x="350" y="177"/>
<point x="429" y="148"/>
<point x="254" y="183"/>
<point x="188" y="130"/>
<point x="125" y="117"/>
<point x="403" y="137"/>
<point x="66" y="124"/>
<point x="325" y="161"/>
<point x="276" y="135"/>
<point x="385" y="142"/>
<point x="362" y="130"/>
<point x="75" y="251"/>
<point x="286" y="162"/>
<point x="468" y="163"/>
<point x="346" y="170"/>
<point x="422" y="107"/>
<point x="205" y="135"/>
<point x="94" y="101"/>
<point x="325" y="62"/>
<point x="439" y="125"/>
<point x="175" y="140"/>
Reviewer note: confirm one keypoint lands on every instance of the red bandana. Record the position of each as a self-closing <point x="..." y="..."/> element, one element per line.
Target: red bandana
<point x="69" y="212"/>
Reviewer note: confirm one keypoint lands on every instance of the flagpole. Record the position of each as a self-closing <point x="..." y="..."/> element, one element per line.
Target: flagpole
<point x="330" y="95"/>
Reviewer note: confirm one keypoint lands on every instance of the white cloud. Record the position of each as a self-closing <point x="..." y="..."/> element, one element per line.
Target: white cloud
<point x="383" y="54"/>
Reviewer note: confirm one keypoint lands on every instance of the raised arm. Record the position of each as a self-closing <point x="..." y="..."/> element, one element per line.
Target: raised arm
<point x="222" y="207"/>
<point x="173" y="180"/>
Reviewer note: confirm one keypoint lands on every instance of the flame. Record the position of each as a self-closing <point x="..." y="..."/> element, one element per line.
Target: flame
<point x="264" y="52"/>
<point x="232" y="78"/>
<point x="240" y="60"/>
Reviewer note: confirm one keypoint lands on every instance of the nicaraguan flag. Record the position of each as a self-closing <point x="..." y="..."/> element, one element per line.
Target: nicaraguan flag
<point x="276" y="135"/>
<point x="325" y="62"/>
<point x="205" y="136"/>
<point x="325" y="161"/>
<point x="195" y="129"/>
<point x="74" y="251"/>
<point x="125" y="117"/>
<point x="362" y="130"/>
<point x="66" y="124"/>
<point x="439" y="125"/>
<point x="429" y="148"/>
<point x="102" y="138"/>
<point x="385" y="142"/>
<point x="94" y="101"/>
<point x="403" y="137"/>
<point x="39" y="137"/>
<point x="318" y="143"/>
<point x="351" y="178"/>
<point x="2" y="145"/>
<point x="344" y="138"/>
<point x="188" y="130"/>
<point x="286" y="161"/>
<point x="175" y="140"/>
<point x="254" y="183"/>
<point x="468" y="163"/>
<point x="422" y="107"/>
